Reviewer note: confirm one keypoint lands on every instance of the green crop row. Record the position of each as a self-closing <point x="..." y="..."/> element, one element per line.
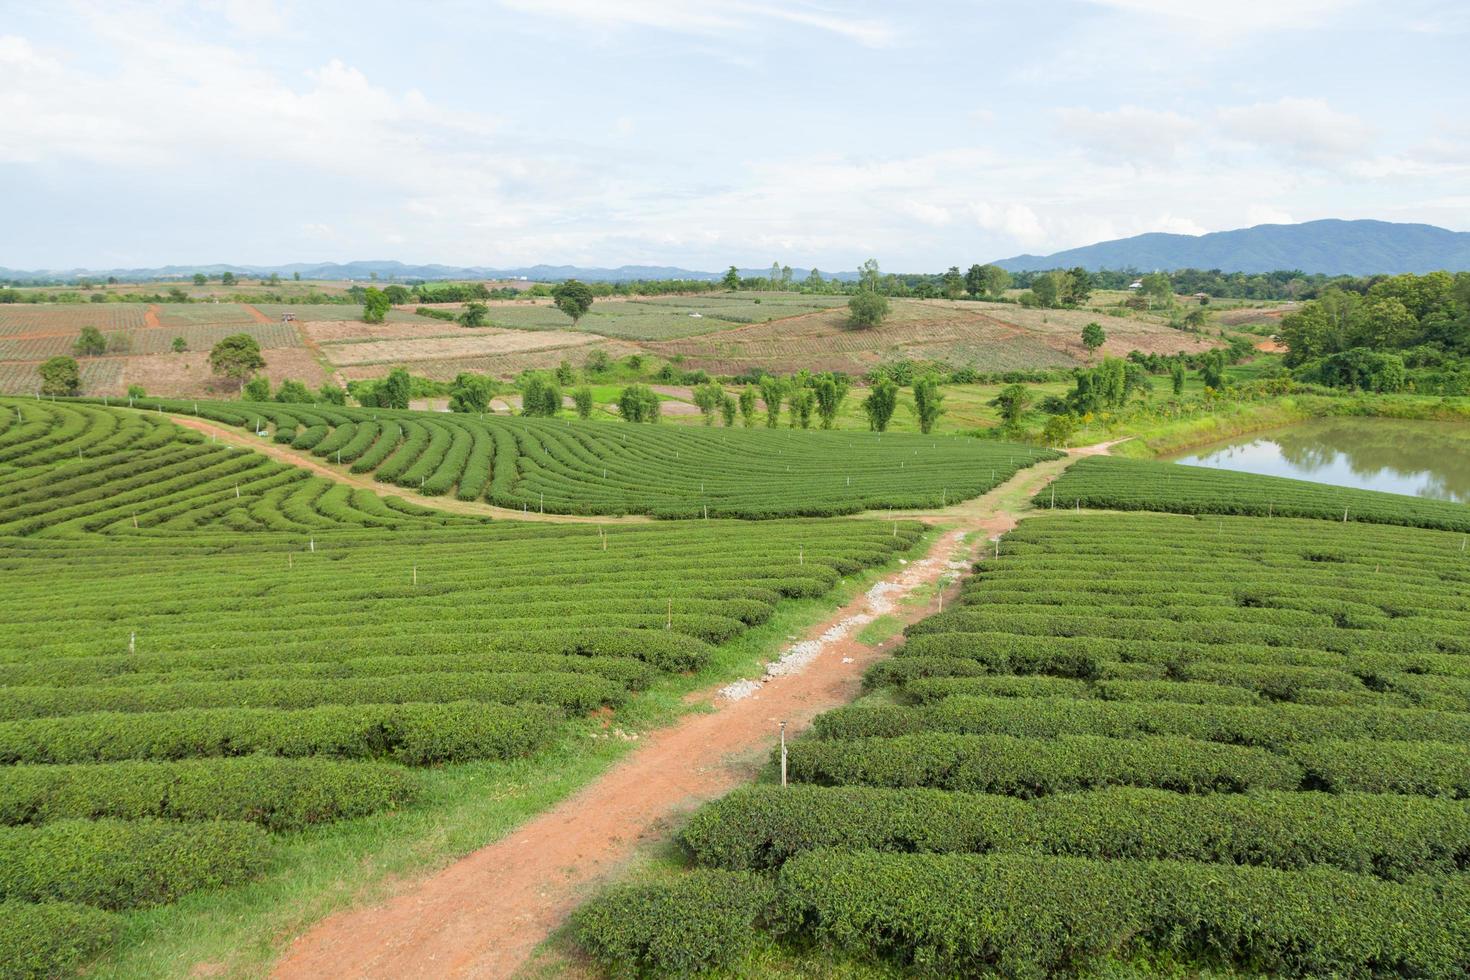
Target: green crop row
<point x="120" y="864"/>
<point x="42" y="940"/>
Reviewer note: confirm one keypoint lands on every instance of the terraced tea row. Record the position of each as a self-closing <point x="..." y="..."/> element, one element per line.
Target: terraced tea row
<point x="1136" y="739"/>
<point x="69" y="467"/>
<point x="564" y="466"/>
<point x="1130" y="484"/>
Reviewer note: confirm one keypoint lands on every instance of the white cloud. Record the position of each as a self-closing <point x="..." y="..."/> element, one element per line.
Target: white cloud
<point x="1264" y="214"/>
<point x="1128" y="133"/>
<point x="1301" y="130"/>
<point x="1239" y="17"/>
<point x="710" y="19"/>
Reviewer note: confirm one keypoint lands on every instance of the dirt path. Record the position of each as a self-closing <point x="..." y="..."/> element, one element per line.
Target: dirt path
<point x="342" y="474"/>
<point x="150" y="316"/>
<point x="484" y="915"/>
<point x="255" y="314"/>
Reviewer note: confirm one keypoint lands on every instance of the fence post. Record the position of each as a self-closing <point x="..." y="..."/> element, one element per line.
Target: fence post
<point x="783" y="754"/>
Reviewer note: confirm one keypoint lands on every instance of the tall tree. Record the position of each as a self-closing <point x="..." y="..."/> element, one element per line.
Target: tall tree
<point x="975" y="280"/>
<point x="1093" y="337"/>
<point x="1079" y="286"/>
<point x="1012" y="400"/>
<point x="236" y="357"/>
<point x="830" y="391"/>
<point x="708" y="397"/>
<point x="747" y="406"/>
<point x="774" y="279"/>
<point x="928" y="402"/>
<point x="60" y="376"/>
<point x="395" y="390"/>
<point x="90" y="343"/>
<point x="470" y="393"/>
<point x="773" y="389"/>
<point x="582" y="399"/>
<point x="573" y="298"/>
<point x="375" y="305"/>
<point x="814" y="281"/>
<point x="997" y="280"/>
<point x="732" y="278"/>
<point x="881" y="402"/>
<point x="540" y="397"/>
<point x="954" y="283"/>
<point x="1176" y="377"/>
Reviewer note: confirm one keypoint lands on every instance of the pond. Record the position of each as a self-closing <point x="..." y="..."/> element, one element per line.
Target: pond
<point x="1422" y="459"/>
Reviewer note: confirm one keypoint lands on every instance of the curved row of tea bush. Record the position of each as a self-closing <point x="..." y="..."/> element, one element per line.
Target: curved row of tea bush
<point x="1138" y="743"/>
<point x="567" y="466"/>
<point x="77" y="467"/>
<point x="1114" y="483"/>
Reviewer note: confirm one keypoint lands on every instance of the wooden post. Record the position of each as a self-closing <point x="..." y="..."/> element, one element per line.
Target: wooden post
<point x="1344" y="515"/>
<point x="313" y="546"/>
<point x="669" y="623"/>
<point x="783" y="754"/>
<point x="133" y="641"/>
<point x="415" y="575"/>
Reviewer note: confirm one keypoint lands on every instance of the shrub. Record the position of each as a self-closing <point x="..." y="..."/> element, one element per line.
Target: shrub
<point x="694" y="923"/>
<point x="51" y="939"/>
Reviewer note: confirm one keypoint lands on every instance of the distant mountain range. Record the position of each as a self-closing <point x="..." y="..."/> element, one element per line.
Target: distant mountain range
<point x="1331" y="246"/>
<point x="390" y="270"/>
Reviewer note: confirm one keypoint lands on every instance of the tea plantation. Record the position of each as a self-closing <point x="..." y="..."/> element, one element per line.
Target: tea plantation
<point x="1111" y="483"/>
<point x="564" y="466"/>
<point x="204" y="652"/>
<point x="1140" y="744"/>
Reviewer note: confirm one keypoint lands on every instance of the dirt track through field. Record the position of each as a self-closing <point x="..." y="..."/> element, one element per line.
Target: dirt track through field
<point x="485" y="914"/>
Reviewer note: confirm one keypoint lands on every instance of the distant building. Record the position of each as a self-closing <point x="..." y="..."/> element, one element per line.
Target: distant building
<point x="1136" y="284"/>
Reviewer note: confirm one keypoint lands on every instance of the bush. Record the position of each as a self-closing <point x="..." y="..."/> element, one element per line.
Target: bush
<point x="119" y="864"/>
<point x="1021" y="915"/>
<point x="697" y="922"/>
<point x="50" y="939"/>
<point x="278" y="794"/>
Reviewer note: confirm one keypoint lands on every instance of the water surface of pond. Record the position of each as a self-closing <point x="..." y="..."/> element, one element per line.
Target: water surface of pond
<point x="1421" y="459"/>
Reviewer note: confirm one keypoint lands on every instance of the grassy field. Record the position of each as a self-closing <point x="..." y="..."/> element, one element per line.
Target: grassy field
<point x="1140" y="745"/>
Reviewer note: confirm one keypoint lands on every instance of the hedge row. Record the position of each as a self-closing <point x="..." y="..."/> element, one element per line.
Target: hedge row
<point x="43" y="940"/>
<point x="1272" y="727"/>
<point x="1034" y="767"/>
<point x="1392" y="837"/>
<point x="119" y="864"/>
<point x="413" y="734"/>
<point x="278" y="794"/>
<point x="1024" y="915"/>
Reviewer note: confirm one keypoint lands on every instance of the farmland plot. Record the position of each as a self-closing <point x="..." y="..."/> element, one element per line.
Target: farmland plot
<point x="567" y="467"/>
<point x="1138" y="740"/>
<point x="204" y="653"/>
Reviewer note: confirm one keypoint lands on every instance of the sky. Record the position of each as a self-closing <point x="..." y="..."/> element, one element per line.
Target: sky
<point x="610" y="132"/>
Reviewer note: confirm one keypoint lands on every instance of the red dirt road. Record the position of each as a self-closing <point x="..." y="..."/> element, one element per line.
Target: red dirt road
<point x="484" y="915"/>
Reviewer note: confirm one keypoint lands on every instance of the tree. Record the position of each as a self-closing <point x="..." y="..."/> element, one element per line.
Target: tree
<point x="137" y="391"/>
<point x="773" y="389"/>
<point x="638" y="403"/>
<point x="869" y="275"/>
<point x="1176" y="377"/>
<point x="236" y="357"/>
<point x="786" y="277"/>
<point x="814" y="281"/>
<point x="727" y="408"/>
<point x="471" y="393"/>
<point x="732" y="278"/>
<point x="395" y="390"/>
<point x="1093" y="337"/>
<point x="582" y="400"/>
<point x="867" y="308"/>
<point x="540" y="397"/>
<point x="975" y="280"/>
<point x="60" y="376"/>
<point x="803" y="400"/>
<point x="573" y="298"/>
<point x="1012" y="401"/>
<point x="747" y="406"/>
<point x="294" y="392"/>
<point x="1159" y="289"/>
<point x="375" y="305"/>
<point x="258" y="390"/>
<point x="331" y="393"/>
<point x="227" y="279"/>
<point x="1049" y="288"/>
<point x="200" y="279"/>
<point x="1079" y="286"/>
<point x="397" y="294"/>
<point x="928" y="402"/>
<point x="954" y="283"/>
<point x="831" y="391"/>
<point x="597" y="362"/>
<point x="708" y="397"/>
<point x="1059" y="429"/>
<point x="296" y="276"/>
<point x="774" y="279"/>
<point x="473" y="314"/>
<point x="90" y="343"/>
<point x="880" y="404"/>
<point x="997" y="280"/>
<point x="179" y="345"/>
<point x="1212" y="369"/>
